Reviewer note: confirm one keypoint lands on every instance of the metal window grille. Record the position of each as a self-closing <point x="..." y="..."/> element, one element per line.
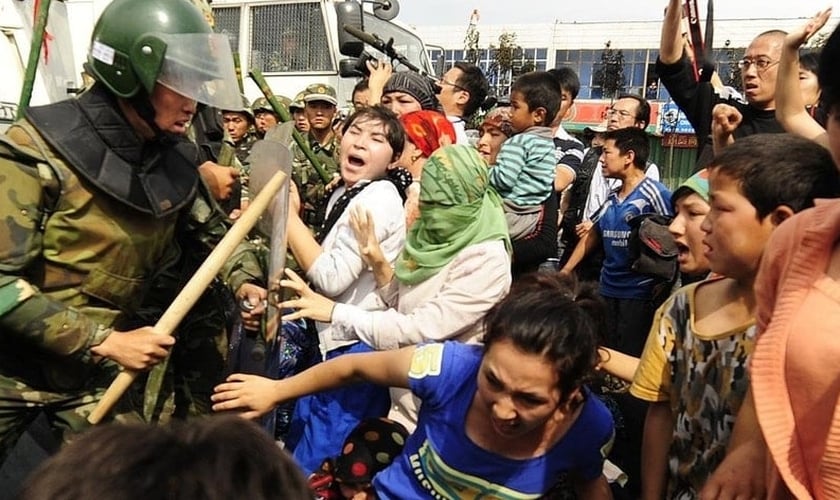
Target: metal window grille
<point x="227" y="23"/>
<point x="289" y="38"/>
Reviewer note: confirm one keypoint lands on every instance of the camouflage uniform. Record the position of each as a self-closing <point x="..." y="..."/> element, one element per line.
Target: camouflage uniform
<point x="312" y="188"/>
<point x="76" y="260"/>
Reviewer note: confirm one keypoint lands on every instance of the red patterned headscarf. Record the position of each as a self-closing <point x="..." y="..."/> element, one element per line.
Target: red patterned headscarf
<point x="427" y="129"/>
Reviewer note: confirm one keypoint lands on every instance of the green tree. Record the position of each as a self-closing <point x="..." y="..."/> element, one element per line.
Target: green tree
<point x="471" y="40"/>
<point x="609" y="72"/>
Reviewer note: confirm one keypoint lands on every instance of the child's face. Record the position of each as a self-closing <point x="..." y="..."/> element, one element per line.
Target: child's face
<point x="490" y="142"/>
<point x="365" y="153"/>
<point x="690" y="212"/>
<point x="566" y="102"/>
<point x="522" y="117"/>
<point x="518" y="391"/>
<point x="613" y="161"/>
<point x="734" y="235"/>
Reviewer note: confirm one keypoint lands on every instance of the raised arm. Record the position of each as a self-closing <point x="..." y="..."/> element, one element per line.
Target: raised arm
<point x="671" y="45"/>
<point x="790" y="109"/>
<point x="254" y="396"/>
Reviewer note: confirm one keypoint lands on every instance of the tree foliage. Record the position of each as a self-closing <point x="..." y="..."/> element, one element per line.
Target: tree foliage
<point x="609" y="74"/>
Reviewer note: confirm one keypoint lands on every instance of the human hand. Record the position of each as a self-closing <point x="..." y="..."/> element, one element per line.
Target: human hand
<point x="583" y="228"/>
<point x="725" y="119"/>
<point x="380" y="72"/>
<point x="309" y="304"/>
<point x="219" y="179"/>
<point x="136" y="350"/>
<point x="798" y="36"/>
<point x="250" y="395"/>
<point x="256" y="296"/>
<point x="740" y="475"/>
<point x="365" y="230"/>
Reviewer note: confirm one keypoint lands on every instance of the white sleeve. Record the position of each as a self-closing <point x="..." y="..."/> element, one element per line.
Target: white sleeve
<point x="476" y="280"/>
<point x="339" y="266"/>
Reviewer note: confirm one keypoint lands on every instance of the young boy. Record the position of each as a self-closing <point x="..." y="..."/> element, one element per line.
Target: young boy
<point x="524" y="170"/>
<point x="693" y="368"/>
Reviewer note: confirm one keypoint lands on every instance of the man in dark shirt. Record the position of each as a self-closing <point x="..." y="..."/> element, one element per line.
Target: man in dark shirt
<point x="697" y="99"/>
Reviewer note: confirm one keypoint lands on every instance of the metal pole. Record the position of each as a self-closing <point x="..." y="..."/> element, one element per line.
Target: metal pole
<point x="34" y="54"/>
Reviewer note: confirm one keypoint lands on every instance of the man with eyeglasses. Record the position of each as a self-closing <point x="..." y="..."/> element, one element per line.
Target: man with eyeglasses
<point x="462" y="91"/>
<point x="697" y="99"/>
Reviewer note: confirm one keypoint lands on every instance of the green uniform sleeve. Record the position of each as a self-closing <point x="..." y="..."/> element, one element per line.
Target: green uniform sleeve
<point x="26" y="314"/>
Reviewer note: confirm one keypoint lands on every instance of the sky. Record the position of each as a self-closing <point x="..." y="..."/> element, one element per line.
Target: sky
<point x="457" y="12"/>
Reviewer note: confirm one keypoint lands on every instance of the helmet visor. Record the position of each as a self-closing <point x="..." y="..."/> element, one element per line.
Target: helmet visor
<point x="200" y="66"/>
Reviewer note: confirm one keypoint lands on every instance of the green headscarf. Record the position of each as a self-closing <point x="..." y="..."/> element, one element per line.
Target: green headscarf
<point x="458" y="208"/>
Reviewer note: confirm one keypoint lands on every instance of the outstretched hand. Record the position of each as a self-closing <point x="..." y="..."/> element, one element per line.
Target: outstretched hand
<point x="309" y="303"/>
<point x="365" y="230"/>
<point x="250" y="395"/>
<point x="797" y="37"/>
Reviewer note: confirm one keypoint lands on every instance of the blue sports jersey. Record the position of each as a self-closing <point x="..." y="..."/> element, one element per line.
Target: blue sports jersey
<point x="440" y="461"/>
<point x="617" y="280"/>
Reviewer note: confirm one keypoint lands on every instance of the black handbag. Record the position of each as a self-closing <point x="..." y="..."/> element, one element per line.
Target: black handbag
<point x="653" y="251"/>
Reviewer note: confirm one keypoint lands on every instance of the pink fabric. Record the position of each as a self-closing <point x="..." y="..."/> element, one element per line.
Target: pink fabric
<point x="796" y="364"/>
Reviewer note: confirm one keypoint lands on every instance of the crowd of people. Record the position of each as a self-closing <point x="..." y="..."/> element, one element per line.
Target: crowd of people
<point x="529" y="314"/>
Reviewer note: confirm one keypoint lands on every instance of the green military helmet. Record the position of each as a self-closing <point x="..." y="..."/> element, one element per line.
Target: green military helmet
<point x="262" y="104"/>
<point x="136" y="44"/>
<point x="298" y="102"/>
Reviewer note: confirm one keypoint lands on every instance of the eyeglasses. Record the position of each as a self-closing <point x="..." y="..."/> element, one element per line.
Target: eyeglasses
<point x="455" y="85"/>
<point x="620" y="112"/>
<point x="761" y="64"/>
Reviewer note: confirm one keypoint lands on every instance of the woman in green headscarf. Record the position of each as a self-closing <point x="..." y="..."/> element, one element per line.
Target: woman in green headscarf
<point x="455" y="266"/>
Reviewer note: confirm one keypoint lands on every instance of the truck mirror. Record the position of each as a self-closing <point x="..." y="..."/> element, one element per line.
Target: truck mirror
<point x="386" y="10"/>
<point x="349" y="13"/>
<point x="349" y="68"/>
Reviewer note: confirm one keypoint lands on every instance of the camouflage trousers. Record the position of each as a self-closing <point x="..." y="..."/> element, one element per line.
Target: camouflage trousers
<point x="66" y="413"/>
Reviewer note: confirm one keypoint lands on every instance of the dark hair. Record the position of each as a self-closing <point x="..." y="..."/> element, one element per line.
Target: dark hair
<point x="779" y="169"/>
<point x="539" y="89"/>
<point x="360" y="86"/>
<point x="810" y="61"/>
<point x="472" y="80"/>
<point x="554" y="316"/>
<point x="212" y="458"/>
<point x="829" y="72"/>
<point x="568" y="80"/>
<point x="631" y="139"/>
<point x="393" y="128"/>
<point x="642" y="110"/>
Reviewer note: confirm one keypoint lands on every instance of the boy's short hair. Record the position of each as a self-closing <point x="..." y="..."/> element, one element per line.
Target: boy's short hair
<point x="568" y="80"/>
<point x="779" y="169"/>
<point x="642" y="111"/>
<point x="539" y="89"/>
<point x="631" y="139"/>
<point x="472" y="79"/>
<point x="393" y="128"/>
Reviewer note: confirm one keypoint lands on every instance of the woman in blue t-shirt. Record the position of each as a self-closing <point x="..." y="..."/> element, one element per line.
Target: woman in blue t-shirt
<point x="505" y="420"/>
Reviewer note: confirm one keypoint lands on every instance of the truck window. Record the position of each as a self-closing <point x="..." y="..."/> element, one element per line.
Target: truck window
<point x="227" y="23"/>
<point x="405" y="42"/>
<point x="289" y="38"/>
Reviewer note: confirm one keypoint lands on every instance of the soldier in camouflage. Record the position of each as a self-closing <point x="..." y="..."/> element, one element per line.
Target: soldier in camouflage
<point x="95" y="193"/>
<point x="320" y="103"/>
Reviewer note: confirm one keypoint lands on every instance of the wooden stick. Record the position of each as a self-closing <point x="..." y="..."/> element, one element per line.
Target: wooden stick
<point x="194" y="288"/>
